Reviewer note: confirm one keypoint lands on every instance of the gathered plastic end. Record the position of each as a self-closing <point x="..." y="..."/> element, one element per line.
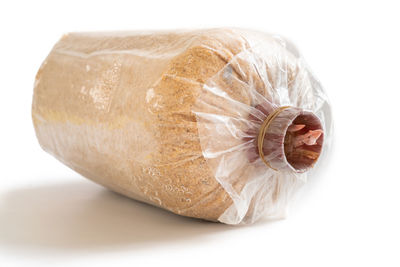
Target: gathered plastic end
<point x="293" y="140"/>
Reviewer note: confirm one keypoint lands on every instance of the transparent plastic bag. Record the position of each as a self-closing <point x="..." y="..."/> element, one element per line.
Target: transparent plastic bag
<point x="173" y="118"/>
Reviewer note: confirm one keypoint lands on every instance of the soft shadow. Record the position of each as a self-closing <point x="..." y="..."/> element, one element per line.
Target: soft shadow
<point x="84" y="216"/>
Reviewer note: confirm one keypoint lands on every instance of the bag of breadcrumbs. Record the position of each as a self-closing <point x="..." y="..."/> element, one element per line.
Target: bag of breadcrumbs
<point x="217" y="124"/>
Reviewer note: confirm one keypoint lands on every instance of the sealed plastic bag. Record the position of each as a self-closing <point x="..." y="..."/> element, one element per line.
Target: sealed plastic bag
<point x="219" y="124"/>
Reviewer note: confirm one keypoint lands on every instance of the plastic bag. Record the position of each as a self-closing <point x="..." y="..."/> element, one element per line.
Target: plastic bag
<point x="174" y="118"/>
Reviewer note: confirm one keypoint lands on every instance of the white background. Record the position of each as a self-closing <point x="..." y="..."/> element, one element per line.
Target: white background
<point x="348" y="213"/>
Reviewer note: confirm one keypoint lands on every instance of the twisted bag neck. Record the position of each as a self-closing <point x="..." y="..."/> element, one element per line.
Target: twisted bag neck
<point x="290" y="139"/>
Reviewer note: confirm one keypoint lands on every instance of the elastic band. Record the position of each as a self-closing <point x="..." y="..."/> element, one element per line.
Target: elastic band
<point x="263" y="131"/>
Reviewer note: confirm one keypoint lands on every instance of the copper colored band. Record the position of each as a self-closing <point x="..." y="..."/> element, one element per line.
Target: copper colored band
<point x="263" y="130"/>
